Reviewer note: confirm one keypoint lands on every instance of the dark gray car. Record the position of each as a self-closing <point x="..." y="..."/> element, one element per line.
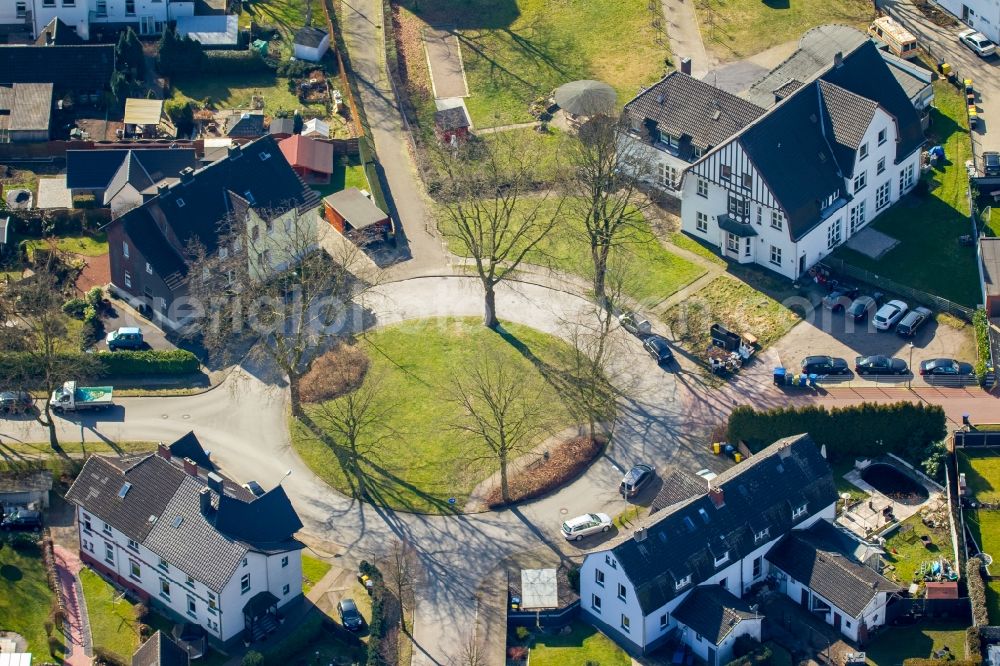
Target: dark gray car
<point x="636" y="480"/>
<point x="349" y="615"/>
<point x="824" y="365"/>
<point x="879" y="365"/>
<point x="658" y="348"/>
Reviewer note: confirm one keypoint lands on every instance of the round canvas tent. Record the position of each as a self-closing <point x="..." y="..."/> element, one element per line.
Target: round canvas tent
<point x="586" y="98"/>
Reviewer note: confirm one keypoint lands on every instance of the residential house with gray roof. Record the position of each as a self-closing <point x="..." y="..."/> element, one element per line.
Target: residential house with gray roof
<point x="683" y="572"/>
<point x="190" y="542"/>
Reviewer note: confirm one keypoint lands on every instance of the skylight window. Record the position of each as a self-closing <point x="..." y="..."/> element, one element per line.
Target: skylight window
<point x="124" y="490"/>
<point x="265" y="156"/>
<point x="704" y="515"/>
<point x="180" y="202"/>
<point x="688" y="523"/>
<point x="177" y="521"/>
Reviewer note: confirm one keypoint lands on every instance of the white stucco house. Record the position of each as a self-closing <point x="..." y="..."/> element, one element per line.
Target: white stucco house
<point x="683" y="573"/>
<point x="188" y="541"/>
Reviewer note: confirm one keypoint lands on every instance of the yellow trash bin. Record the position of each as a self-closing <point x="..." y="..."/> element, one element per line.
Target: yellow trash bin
<point x="716" y="447"/>
<point x="737" y="456"/>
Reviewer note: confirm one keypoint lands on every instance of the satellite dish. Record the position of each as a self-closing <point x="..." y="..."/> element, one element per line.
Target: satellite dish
<point x="845" y="496"/>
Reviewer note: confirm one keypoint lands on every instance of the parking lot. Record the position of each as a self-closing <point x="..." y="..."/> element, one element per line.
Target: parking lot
<point x="833" y="334"/>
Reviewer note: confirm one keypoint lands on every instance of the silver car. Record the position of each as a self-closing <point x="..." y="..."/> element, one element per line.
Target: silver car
<point x="575" y="529"/>
<point x="889" y="314"/>
<point x="978" y="42"/>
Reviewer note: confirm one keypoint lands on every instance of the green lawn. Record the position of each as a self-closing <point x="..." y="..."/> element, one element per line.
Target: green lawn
<point x="514" y="52"/>
<point x="545" y="145"/>
<point x="691" y="244"/>
<point x="112" y="619"/>
<point x="12" y="452"/>
<point x="94" y="245"/>
<point x="426" y="460"/>
<point x="736" y="304"/>
<point x="982" y="473"/>
<point x="344" y="176"/>
<point x="313" y="570"/>
<point x="285" y="15"/>
<point x="993" y="601"/>
<point x="581" y="647"/>
<point x="906" y="552"/>
<point x="740" y="28"/>
<point x="893" y="645"/>
<point x="26" y="600"/>
<point x="233" y="91"/>
<point x="985" y="528"/>
<point x="653" y="272"/>
<point x="928" y="256"/>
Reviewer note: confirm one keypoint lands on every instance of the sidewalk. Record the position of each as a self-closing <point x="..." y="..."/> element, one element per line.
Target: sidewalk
<point x="76" y="626"/>
<point x="685" y="36"/>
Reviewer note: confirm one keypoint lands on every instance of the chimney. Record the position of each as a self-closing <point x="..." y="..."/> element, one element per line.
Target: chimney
<point x="191" y="467"/>
<point x="838" y="58"/>
<point x="234" y="150"/>
<point x="187" y="175"/>
<point x="215" y="483"/>
<point x="717" y="497"/>
<point x="640" y="535"/>
<point x="205" y="496"/>
<point x="686" y="66"/>
<point x="163" y="451"/>
<point x="162" y="187"/>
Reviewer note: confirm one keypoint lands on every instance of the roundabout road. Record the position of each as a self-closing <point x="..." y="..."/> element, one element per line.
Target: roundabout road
<point x="243" y="423"/>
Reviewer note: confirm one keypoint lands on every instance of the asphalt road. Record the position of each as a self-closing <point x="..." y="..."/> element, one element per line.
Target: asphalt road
<point x="243" y="423"/>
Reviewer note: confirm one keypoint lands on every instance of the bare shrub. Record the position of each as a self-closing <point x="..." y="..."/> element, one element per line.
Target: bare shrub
<point x="335" y="373"/>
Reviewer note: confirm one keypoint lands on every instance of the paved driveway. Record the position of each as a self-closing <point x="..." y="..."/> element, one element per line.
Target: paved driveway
<point x="943" y="44"/>
<point x="444" y="55"/>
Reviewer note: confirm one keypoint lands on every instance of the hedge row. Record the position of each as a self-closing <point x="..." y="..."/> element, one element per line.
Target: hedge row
<point x="377" y="625"/>
<point x="973" y="643"/>
<point x="847" y="432"/>
<point x="938" y="662"/>
<point x="977" y="592"/>
<point x="234" y="62"/>
<point x="149" y="362"/>
<point x="981" y="327"/>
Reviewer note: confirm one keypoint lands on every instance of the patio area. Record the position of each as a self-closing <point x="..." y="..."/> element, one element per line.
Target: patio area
<point x="869" y="516"/>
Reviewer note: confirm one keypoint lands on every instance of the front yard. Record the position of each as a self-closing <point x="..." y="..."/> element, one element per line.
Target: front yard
<point x="928" y="226"/>
<point x="584" y="645"/>
<point x="734" y="29"/>
<point x="313" y="570"/>
<point x="95" y="245"/>
<point x="113" y="624"/>
<point x="26" y="600"/>
<point x="515" y="52"/>
<point x="893" y="645"/>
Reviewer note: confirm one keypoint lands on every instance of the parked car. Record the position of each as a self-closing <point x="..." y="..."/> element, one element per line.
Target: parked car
<point x="22" y="519"/>
<point x="575" y="529"/>
<point x="879" y="365"/>
<point x="349" y="615"/>
<point x="889" y="314"/>
<point x="991" y="163"/>
<point x="824" y="365"/>
<point x="839" y="298"/>
<point x="634" y="324"/>
<point x="862" y="306"/>
<point x="636" y="480"/>
<point x="911" y="323"/>
<point x="126" y="337"/>
<point x="945" y="366"/>
<point x="658" y="348"/>
<point x="978" y="42"/>
<point x="255" y="488"/>
<point x="16" y="402"/>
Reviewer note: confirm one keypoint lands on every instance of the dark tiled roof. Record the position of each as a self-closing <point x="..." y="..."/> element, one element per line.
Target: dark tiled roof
<point x="32" y="106"/>
<point x="450" y="119"/>
<point x="691" y="110"/>
<point x="783" y="91"/>
<point x="814" y="558"/>
<point x="847" y="117"/>
<point x="864" y="73"/>
<point x="784" y="140"/>
<point x="759" y="494"/>
<point x="713" y="612"/>
<point x="194" y="209"/>
<point x="58" y="33"/>
<point x="267" y="520"/>
<point x="189" y="446"/>
<point x="309" y="36"/>
<point x="282" y="126"/>
<point x="678" y="487"/>
<point x="81" y="67"/>
<point x="94" y="169"/>
<point x="159" y="650"/>
<point x="97" y="487"/>
<point x="246" y="125"/>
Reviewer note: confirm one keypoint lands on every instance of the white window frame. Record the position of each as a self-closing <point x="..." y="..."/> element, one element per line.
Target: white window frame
<point x="109" y="553"/>
<point x="622" y="592"/>
<point x="799" y="511"/>
<point x="165" y="588"/>
<point x="722" y="559"/>
<point x="192" y="607"/>
<point x="858" y="216"/>
<point x="286" y="589"/>
<point x="732" y="242"/>
<point x="757" y="566"/>
<point x="245" y="583"/>
<point x="626" y="624"/>
<point x="777" y="219"/>
<point x="599" y="577"/>
<point x="860" y="181"/>
<point x="134" y="570"/>
<point x="882" y="136"/>
<point x="20" y="9"/>
<point x="883" y="195"/>
<point x="125" y="249"/>
<point x="664" y="620"/>
<point x="284" y="561"/>
<point x="834" y="234"/>
<point x="880" y="166"/>
<point x="763" y="534"/>
<point x="683" y="582"/>
<point x="775" y="255"/>
<point x="863" y="151"/>
<point x="128" y="279"/>
<point x="595" y="602"/>
<point x="702" y="188"/>
<point x="133" y="545"/>
<point x="701" y="222"/>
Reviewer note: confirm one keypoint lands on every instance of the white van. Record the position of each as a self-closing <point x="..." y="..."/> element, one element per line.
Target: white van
<point x="900" y="41"/>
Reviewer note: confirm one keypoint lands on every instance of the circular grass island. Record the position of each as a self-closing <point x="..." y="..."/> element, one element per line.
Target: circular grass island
<point x="415" y="457"/>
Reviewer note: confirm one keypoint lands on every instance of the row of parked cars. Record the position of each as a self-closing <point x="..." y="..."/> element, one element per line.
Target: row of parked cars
<point x="882" y="365"/>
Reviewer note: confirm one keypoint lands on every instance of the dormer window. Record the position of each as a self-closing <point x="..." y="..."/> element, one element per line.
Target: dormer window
<point x="763" y="534"/>
<point x="683" y="582"/>
<point x="722" y="559"/>
<point x="798" y="511"/>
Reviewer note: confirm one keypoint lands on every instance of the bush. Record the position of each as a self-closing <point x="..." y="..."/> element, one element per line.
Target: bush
<point x="149" y="362"/>
<point x="232" y="62"/>
<point x="335" y="373"/>
<point x="95" y="297"/>
<point x="140" y="611"/>
<point x="984" y="358"/>
<point x="973" y="643"/>
<point x="107" y="657"/>
<point x="977" y="592"/>
<point x="306" y="633"/>
<point x="252" y="658"/>
<point x="847" y="432"/>
<point x="92" y="331"/>
<point x="748" y="652"/>
<point x="573" y="576"/>
<point x="294" y="69"/>
<point x="74" y="307"/>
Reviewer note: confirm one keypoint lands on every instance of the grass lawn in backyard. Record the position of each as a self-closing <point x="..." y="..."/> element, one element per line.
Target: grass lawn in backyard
<point x="516" y="51"/>
<point x="906" y="552"/>
<point x="285" y="15"/>
<point x="89" y="246"/>
<point x="653" y="272"/>
<point x="313" y="570"/>
<point x="233" y="91"/>
<point x="426" y="461"/>
<point x="739" y="28"/>
<point x="993" y="601"/>
<point x="928" y="256"/>
<point x="895" y="644"/>
<point x="982" y="473"/>
<point x="25" y="598"/>
<point x="344" y="176"/>
<point x="583" y="645"/>
<point x="739" y="306"/>
<point x="112" y="618"/>
<point x="985" y="528"/>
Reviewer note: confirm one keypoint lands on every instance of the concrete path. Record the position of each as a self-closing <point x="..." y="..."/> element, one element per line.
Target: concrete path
<point x="76" y="626"/>
<point x="444" y="58"/>
<point x="685" y="36"/>
<point x="507" y="128"/>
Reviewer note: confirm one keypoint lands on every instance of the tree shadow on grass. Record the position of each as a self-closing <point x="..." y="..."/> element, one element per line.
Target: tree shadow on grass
<point x="11" y="573"/>
<point x="465" y="14"/>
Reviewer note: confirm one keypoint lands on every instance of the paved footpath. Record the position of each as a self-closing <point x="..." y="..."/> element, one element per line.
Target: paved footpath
<point x="76" y="627"/>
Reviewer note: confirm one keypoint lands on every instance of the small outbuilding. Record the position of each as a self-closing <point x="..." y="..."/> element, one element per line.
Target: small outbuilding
<point x="142" y="115"/>
<point x="310" y="158"/>
<point x="218" y="31"/>
<point x="354" y="214"/>
<point x="247" y="125"/>
<point x="316" y="128"/>
<point x="25" y="488"/>
<point x="311" y="44"/>
<point x="281" y="128"/>
<point x="451" y="126"/>
<point x="25" y="112"/>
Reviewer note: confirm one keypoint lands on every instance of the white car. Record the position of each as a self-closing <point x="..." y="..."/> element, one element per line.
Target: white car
<point x="575" y="529"/>
<point x="889" y="314"/>
<point x="978" y="42"/>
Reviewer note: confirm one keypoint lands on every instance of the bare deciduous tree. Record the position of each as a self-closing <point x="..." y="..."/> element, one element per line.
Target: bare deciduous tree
<point x="607" y="166"/>
<point x="275" y="285"/>
<point x="472" y="653"/>
<point x="502" y="410"/>
<point x="402" y="574"/>
<point x="489" y="210"/>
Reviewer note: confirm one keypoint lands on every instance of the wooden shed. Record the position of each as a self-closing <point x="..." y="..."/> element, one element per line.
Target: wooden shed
<point x="354" y="214"/>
